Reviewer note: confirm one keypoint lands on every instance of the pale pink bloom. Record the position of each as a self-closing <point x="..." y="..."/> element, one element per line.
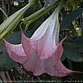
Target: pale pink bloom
<point x="42" y="52"/>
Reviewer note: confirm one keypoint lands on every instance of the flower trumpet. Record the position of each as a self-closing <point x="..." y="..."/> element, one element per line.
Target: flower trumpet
<point x="42" y="52"/>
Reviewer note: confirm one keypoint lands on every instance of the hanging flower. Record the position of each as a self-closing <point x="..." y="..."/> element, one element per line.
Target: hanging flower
<point x="42" y="52"/>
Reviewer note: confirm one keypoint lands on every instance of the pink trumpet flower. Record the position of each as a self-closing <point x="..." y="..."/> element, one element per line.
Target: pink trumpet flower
<point x="42" y="52"/>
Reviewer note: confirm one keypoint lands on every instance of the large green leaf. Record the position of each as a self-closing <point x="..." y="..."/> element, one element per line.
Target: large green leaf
<point x="74" y="49"/>
<point x="78" y="42"/>
<point x="12" y="21"/>
<point x="70" y="17"/>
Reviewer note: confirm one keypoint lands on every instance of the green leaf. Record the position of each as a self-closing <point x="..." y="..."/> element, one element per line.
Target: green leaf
<point x="66" y="22"/>
<point x="78" y="42"/>
<point x="72" y="50"/>
<point x="12" y="21"/>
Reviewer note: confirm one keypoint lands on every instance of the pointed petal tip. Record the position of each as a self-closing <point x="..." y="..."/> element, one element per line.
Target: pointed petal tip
<point x="73" y="72"/>
<point x="4" y="40"/>
<point x="77" y="72"/>
<point x="67" y="74"/>
<point x="21" y="31"/>
<point x="23" y="35"/>
<point x="63" y="39"/>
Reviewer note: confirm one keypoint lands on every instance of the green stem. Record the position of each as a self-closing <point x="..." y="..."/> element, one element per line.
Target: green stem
<point x="28" y="20"/>
<point x="32" y="1"/>
<point x="61" y="4"/>
<point x="38" y="14"/>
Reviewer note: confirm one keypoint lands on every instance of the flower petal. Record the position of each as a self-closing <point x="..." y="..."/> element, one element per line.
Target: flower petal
<point x="15" y="52"/>
<point x="27" y="45"/>
<point x="49" y="66"/>
<point x="44" y="47"/>
<point x="62" y="70"/>
<point x="45" y="37"/>
<point x="59" y="50"/>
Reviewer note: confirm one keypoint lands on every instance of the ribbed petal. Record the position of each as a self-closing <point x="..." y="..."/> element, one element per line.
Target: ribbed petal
<point x="27" y="44"/>
<point x="44" y="45"/>
<point x="15" y="52"/>
<point x="59" y="49"/>
<point x="46" y="37"/>
<point x="49" y="66"/>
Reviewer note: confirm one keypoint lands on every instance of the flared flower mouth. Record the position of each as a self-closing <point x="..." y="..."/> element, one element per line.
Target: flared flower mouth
<point x="42" y="52"/>
<point x="45" y="39"/>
